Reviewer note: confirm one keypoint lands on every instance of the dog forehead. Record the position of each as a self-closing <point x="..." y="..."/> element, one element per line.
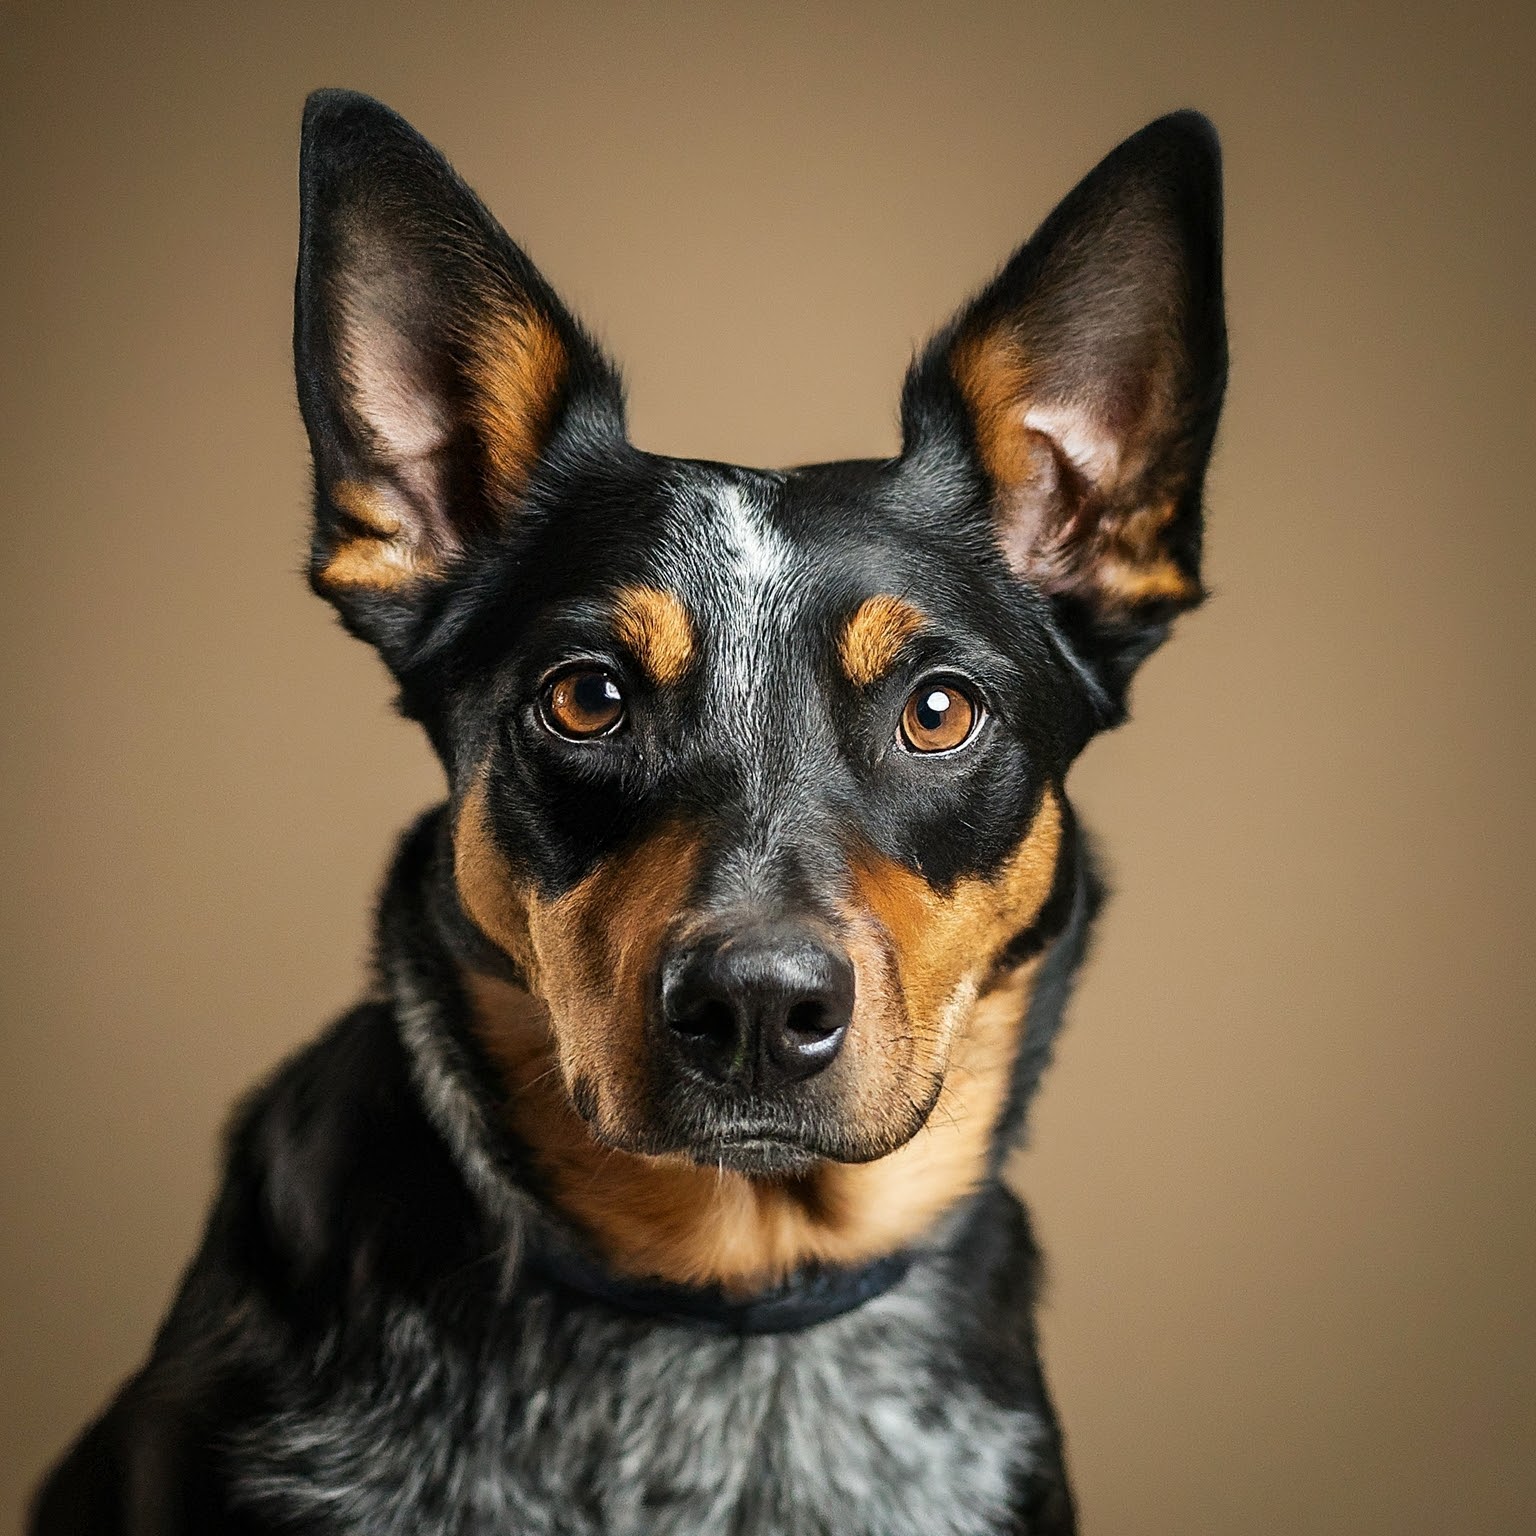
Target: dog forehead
<point x="753" y="554"/>
<point x="722" y="538"/>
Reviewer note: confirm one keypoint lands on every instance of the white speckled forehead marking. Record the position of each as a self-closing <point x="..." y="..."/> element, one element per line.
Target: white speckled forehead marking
<point x="761" y="551"/>
<point x="743" y="573"/>
<point x="759" y="603"/>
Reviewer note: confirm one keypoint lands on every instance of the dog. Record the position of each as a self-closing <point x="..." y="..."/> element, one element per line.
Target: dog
<point x="656" y="1189"/>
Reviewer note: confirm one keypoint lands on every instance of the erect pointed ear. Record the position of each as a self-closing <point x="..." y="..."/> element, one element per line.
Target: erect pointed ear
<point x="1085" y="383"/>
<point x="437" y="371"/>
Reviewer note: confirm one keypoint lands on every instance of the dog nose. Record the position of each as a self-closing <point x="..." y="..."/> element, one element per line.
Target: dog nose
<point x="769" y="1005"/>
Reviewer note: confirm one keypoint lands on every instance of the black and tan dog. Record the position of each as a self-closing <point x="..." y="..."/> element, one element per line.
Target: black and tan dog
<point x="657" y="1189"/>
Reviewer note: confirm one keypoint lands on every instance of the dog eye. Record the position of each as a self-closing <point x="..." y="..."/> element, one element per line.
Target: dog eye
<point x="939" y="717"/>
<point x="584" y="702"/>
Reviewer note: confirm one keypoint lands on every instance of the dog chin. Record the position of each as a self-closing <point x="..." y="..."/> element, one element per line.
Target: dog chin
<point x="759" y="1157"/>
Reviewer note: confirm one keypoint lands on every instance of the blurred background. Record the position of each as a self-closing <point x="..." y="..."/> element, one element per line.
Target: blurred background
<point x="1283" y="1167"/>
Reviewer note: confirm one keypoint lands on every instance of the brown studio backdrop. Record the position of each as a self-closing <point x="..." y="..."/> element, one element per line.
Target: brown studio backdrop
<point x="1283" y="1165"/>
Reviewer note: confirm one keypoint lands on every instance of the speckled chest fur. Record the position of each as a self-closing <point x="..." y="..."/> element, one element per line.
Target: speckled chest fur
<point x="611" y="1426"/>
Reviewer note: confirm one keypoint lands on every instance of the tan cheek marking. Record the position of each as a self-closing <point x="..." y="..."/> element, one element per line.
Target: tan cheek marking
<point x="597" y="947"/>
<point x="518" y="366"/>
<point x="383" y="556"/>
<point x="588" y="955"/>
<point x="496" y="903"/>
<point x="874" y="637"/>
<point x="656" y="628"/>
<point x="889" y="1203"/>
<point x="937" y="939"/>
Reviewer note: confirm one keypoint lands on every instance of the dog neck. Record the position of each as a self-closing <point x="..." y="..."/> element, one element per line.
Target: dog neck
<point x="662" y="1233"/>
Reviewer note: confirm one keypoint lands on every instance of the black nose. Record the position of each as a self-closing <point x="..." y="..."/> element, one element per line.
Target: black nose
<point x="766" y="1005"/>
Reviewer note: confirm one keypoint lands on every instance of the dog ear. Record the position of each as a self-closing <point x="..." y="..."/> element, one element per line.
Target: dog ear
<point x="1085" y="383"/>
<point x="436" y="369"/>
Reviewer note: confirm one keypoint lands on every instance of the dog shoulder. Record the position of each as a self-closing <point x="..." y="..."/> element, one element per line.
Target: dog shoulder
<point x="338" y="1192"/>
<point x="336" y="1199"/>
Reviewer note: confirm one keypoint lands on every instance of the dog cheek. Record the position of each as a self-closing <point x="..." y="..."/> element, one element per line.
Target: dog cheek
<point x="887" y="1074"/>
<point x="922" y="959"/>
<point x="497" y="904"/>
<point x="598" y="948"/>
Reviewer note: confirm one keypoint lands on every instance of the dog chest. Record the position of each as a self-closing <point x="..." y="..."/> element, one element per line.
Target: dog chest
<point x="586" y="1423"/>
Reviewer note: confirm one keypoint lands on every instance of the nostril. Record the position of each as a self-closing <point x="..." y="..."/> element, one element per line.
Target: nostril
<point x="710" y="1021"/>
<point x="809" y="1021"/>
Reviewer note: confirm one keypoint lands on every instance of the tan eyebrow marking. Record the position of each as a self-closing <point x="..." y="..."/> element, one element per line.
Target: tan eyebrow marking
<point x="656" y="627"/>
<point x="875" y="635"/>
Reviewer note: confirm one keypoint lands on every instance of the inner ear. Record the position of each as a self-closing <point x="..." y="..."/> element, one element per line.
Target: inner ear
<point x="446" y="393"/>
<point x="1089" y="377"/>
<point x="435" y="365"/>
<point x="1083" y="506"/>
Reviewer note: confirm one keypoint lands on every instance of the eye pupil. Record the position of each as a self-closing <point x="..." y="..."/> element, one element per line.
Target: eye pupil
<point x="586" y="701"/>
<point x="595" y="692"/>
<point x="933" y="708"/>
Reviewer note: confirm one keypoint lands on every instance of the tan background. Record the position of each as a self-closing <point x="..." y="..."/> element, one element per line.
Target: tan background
<point x="1284" y="1163"/>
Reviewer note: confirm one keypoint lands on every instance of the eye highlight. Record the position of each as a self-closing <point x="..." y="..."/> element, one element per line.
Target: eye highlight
<point x="939" y="717"/>
<point x="582" y="703"/>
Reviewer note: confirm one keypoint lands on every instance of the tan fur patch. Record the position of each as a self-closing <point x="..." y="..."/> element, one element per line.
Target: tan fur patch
<point x="589" y="954"/>
<point x="993" y="375"/>
<point x="656" y="628"/>
<point x="667" y="1217"/>
<point x="496" y="903"/>
<point x="874" y="636"/>
<point x="517" y="367"/>
<point x="943" y="944"/>
<point x="382" y="556"/>
<point x="1133" y="566"/>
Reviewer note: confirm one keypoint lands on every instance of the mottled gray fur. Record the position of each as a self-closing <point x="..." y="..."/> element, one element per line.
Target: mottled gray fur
<point x="603" y="1425"/>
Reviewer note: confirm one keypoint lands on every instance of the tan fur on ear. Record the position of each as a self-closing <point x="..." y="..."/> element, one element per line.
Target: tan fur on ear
<point x="993" y="375"/>
<point x="382" y="555"/>
<point x="1067" y="516"/>
<point x="517" y="368"/>
<point x="516" y="371"/>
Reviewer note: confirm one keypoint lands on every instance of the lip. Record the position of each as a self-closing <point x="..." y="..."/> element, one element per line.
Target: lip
<point x="761" y="1154"/>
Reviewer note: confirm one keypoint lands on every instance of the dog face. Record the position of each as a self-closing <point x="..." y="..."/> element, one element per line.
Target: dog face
<point x="756" y="776"/>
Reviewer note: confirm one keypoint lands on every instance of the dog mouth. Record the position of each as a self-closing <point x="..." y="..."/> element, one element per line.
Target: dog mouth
<point x="766" y="1146"/>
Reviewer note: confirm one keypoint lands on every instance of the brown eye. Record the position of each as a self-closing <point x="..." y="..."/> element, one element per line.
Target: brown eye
<point x="938" y="717"/>
<point x="584" y="702"/>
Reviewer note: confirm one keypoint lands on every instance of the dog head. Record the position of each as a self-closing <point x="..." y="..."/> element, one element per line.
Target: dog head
<point x="756" y="776"/>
